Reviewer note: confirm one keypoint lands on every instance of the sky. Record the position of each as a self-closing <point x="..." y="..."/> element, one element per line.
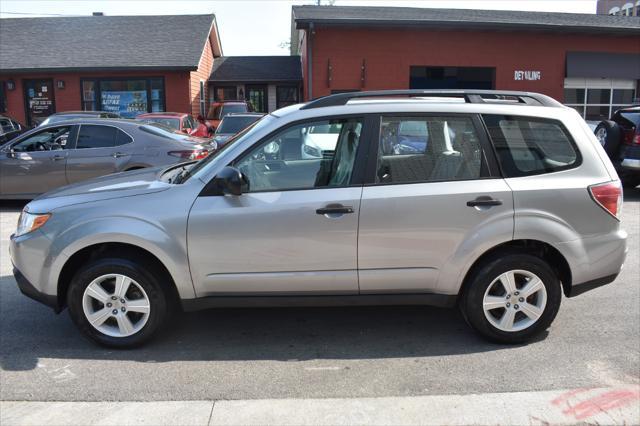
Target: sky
<point x="258" y="27"/>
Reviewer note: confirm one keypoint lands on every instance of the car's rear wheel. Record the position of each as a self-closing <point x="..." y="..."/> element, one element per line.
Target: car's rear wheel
<point x="117" y="302"/>
<point x="512" y="298"/>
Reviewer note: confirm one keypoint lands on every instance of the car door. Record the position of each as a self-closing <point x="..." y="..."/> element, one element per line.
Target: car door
<point x="433" y="189"/>
<point x="35" y="164"/>
<point x="98" y="151"/>
<point x="294" y="230"/>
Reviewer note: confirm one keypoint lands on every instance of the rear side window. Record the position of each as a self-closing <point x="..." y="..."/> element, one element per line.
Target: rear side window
<point x="122" y="138"/>
<point x="428" y="149"/>
<point x="93" y="136"/>
<point x="530" y="146"/>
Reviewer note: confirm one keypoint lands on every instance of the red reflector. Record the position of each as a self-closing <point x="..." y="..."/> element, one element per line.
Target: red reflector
<point x="636" y="139"/>
<point x="608" y="196"/>
<point x="629" y="137"/>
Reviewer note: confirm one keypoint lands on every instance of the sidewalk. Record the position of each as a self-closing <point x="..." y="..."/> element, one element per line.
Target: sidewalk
<point x="616" y="405"/>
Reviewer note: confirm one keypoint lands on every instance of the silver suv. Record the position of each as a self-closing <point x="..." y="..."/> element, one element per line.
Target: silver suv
<point x="497" y="202"/>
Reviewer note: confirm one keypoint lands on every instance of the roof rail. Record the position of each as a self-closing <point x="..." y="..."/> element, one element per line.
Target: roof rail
<point x="470" y="96"/>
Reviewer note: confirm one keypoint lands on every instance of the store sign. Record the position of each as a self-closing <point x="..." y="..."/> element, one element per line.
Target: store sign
<point x="126" y="103"/>
<point x="527" y="75"/>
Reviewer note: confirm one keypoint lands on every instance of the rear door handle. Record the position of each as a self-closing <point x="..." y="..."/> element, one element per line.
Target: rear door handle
<point x="484" y="201"/>
<point x="335" y="209"/>
<point x="119" y="154"/>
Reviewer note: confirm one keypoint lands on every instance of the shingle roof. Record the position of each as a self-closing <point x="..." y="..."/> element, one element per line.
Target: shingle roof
<point x="103" y="42"/>
<point x="470" y="18"/>
<point x="257" y="68"/>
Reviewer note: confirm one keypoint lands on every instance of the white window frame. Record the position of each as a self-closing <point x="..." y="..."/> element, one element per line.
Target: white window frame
<point x="599" y="83"/>
<point x="614" y="11"/>
<point x="627" y="9"/>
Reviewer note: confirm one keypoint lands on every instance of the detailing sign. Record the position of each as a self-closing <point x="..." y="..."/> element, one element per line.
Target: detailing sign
<point x="527" y="75"/>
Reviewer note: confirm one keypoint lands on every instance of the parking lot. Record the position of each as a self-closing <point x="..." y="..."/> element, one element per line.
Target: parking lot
<point x="319" y="353"/>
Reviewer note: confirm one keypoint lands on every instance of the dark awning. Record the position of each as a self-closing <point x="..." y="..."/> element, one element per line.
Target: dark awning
<point x="603" y="65"/>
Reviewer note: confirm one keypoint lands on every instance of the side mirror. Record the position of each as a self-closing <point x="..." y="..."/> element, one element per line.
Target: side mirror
<point x="228" y="182"/>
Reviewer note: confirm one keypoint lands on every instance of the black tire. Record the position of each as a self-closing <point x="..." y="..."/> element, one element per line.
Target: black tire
<point x="471" y="302"/>
<point x="143" y="276"/>
<point x="613" y="136"/>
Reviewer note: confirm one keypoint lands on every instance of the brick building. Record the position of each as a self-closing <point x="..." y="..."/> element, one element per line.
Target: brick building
<point x="591" y="62"/>
<point x="126" y="64"/>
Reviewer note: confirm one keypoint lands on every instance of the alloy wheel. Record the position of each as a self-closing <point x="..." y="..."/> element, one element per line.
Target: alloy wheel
<point x="515" y="300"/>
<point x="601" y="135"/>
<point x="116" y="305"/>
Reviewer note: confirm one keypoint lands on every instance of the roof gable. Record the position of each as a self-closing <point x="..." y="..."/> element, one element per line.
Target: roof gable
<point x="103" y="42"/>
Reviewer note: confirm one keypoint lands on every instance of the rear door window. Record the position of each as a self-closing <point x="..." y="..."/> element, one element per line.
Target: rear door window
<point x="428" y="149"/>
<point x="95" y="136"/>
<point x="529" y="146"/>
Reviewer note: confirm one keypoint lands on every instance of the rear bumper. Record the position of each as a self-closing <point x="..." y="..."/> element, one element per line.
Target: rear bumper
<point x="578" y="289"/>
<point x="30" y="291"/>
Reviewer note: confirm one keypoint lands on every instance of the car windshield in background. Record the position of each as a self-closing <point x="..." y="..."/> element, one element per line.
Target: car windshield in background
<point x="233" y="108"/>
<point x="161" y="130"/>
<point x="6" y="126"/>
<point x="232" y="125"/>
<point x="173" y="123"/>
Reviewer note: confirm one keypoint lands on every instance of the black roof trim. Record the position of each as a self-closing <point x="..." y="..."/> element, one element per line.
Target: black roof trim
<point x="228" y="69"/>
<point x="470" y="96"/>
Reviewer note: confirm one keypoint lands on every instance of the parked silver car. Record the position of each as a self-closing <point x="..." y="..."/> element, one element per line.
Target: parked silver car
<point x="498" y="202"/>
<point x="55" y="155"/>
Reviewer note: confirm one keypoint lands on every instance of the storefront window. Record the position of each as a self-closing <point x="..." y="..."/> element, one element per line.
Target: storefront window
<point x="286" y="95"/>
<point x="127" y="97"/>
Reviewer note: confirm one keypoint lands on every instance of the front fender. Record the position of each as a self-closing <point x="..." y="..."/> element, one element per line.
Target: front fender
<point x="150" y="236"/>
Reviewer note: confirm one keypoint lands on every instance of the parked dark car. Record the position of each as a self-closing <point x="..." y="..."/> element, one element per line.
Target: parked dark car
<point x="54" y="155"/>
<point x="179" y="121"/>
<point x="9" y="129"/>
<point x="232" y="124"/>
<point x="220" y="109"/>
<point x="70" y="115"/>
<point x="620" y="138"/>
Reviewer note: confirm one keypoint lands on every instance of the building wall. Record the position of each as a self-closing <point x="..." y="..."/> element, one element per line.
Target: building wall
<point x="389" y="54"/>
<point x="605" y="6"/>
<point x="201" y="74"/>
<point x="176" y="86"/>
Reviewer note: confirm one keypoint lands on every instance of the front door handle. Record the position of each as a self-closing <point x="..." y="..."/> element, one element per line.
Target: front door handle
<point x="57" y="158"/>
<point x="335" y="209"/>
<point x="484" y="201"/>
<point x="118" y="154"/>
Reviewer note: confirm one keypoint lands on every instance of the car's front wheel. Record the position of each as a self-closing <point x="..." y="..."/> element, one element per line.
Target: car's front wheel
<point x="117" y="302"/>
<point x="512" y="298"/>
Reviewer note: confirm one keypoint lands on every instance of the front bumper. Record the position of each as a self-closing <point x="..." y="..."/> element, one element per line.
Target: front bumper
<point x="30" y="291"/>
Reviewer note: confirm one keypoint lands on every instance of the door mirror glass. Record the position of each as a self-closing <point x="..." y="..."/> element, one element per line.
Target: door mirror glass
<point x="229" y="181"/>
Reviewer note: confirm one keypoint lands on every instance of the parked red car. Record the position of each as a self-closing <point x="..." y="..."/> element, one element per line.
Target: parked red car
<point x="218" y="110"/>
<point x="179" y="121"/>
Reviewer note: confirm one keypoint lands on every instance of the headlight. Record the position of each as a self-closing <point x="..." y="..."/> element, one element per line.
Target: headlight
<point x="30" y="222"/>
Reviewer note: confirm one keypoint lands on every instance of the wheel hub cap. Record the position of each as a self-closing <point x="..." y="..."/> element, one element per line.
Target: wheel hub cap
<point x="116" y="305"/>
<point x="515" y="300"/>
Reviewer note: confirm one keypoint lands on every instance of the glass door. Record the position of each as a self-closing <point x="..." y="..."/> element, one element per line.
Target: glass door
<point x="256" y="96"/>
<point x="39" y="100"/>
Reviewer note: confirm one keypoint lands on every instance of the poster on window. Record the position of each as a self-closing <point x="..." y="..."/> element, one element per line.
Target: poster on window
<point x="126" y="103"/>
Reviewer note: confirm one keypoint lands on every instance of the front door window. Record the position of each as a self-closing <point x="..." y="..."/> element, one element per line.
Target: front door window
<point x="40" y="100"/>
<point x="305" y="156"/>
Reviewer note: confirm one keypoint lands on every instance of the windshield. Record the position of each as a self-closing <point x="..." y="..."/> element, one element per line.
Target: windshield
<point x="245" y="134"/>
<point x="164" y="132"/>
<point x="232" y="124"/>
<point x="172" y="123"/>
<point x="232" y="108"/>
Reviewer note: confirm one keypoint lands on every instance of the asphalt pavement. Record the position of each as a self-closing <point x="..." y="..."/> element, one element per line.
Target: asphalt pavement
<point x="234" y="354"/>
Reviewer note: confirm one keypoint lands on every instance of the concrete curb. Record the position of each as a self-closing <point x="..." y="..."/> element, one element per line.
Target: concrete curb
<point x="617" y="405"/>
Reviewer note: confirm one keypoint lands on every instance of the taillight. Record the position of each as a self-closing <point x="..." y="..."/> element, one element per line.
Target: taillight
<point x="630" y="137"/>
<point x="191" y="154"/>
<point x="608" y="196"/>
